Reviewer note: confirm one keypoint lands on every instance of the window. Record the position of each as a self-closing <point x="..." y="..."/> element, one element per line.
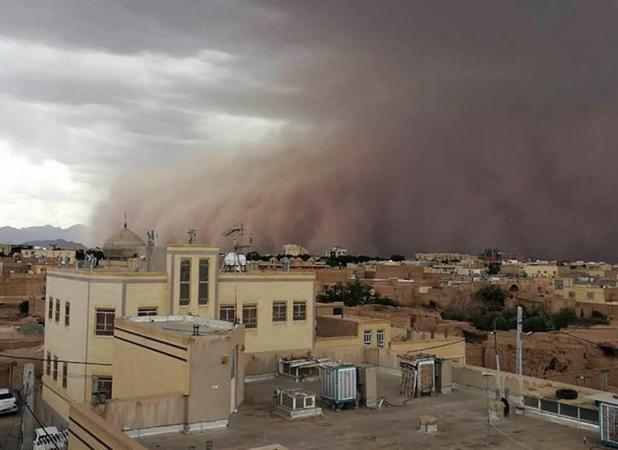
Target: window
<point x="65" y="369"/>
<point x="101" y="389"/>
<point x="185" y="282"/>
<point x="48" y="363"/>
<point x="569" y="410"/>
<point x="590" y="295"/>
<point x="572" y="294"/>
<point x="300" y="310"/>
<point x="147" y="311"/>
<point x="589" y="415"/>
<point x="50" y="309"/>
<point x="67" y="314"/>
<point x="105" y="322"/>
<point x="380" y="338"/>
<point x="280" y="311"/>
<point x="249" y="316"/>
<point x="227" y="313"/>
<point x="202" y="291"/>
<point x="57" y="310"/>
<point x="367" y="337"/>
<point x="55" y="368"/>
<point x="549" y="406"/>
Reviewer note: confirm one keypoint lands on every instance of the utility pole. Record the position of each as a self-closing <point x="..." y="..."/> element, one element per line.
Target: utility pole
<point x="27" y="422"/>
<point x="498" y="377"/>
<point x="519" y="354"/>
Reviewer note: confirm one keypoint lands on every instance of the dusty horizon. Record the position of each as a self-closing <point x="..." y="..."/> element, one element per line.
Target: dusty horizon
<point x="384" y="128"/>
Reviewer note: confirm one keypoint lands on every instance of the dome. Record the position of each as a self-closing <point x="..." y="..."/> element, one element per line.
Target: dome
<point x="124" y="244"/>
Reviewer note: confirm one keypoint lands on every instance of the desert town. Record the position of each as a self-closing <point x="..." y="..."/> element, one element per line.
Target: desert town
<point x="308" y="225"/>
<point x="136" y="345"/>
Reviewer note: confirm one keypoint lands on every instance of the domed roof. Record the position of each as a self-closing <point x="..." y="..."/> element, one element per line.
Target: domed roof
<point x="124" y="244"/>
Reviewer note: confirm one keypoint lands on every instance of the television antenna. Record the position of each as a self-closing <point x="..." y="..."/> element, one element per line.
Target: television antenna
<point x="238" y="237"/>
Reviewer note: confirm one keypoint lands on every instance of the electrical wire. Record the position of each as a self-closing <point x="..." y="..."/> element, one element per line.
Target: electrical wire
<point x="435" y="346"/>
<point x="42" y="426"/>
<point x="31" y="358"/>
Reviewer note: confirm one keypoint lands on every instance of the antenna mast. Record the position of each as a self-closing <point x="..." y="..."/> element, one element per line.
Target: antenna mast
<point x="235" y="261"/>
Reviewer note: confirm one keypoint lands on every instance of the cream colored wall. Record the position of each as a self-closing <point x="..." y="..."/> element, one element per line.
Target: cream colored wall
<point x="541" y="270"/>
<point x="177" y="253"/>
<point x="147" y="295"/>
<point x="211" y="388"/>
<point x="56" y="398"/>
<point x="358" y="339"/>
<point x="88" y="431"/>
<point x="263" y="290"/>
<point x="147" y="412"/>
<point x="247" y="288"/>
<point x="581" y="293"/>
<point x="67" y="343"/>
<point x="166" y="375"/>
<point x="86" y="292"/>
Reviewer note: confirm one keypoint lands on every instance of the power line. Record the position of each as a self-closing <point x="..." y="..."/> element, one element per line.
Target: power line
<point x="31" y="358"/>
<point x="42" y="427"/>
<point x="435" y="346"/>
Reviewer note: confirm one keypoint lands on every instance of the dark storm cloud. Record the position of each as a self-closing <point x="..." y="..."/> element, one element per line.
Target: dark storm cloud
<point x="382" y="126"/>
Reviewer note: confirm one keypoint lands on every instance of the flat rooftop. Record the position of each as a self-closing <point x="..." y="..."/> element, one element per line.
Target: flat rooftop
<point x="462" y="425"/>
<point x="356" y="319"/>
<point x="183" y="324"/>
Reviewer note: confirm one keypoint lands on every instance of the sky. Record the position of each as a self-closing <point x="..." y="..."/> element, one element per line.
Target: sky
<point x="385" y="127"/>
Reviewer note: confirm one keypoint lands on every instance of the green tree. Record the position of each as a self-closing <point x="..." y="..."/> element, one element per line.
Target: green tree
<point x="564" y="318"/>
<point x="492" y="297"/>
<point x="493" y="268"/>
<point x="535" y="323"/>
<point x="253" y="256"/>
<point x="354" y="293"/>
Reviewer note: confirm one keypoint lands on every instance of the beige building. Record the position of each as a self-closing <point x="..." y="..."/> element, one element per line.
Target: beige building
<point x="368" y="339"/>
<point x="194" y="367"/>
<point x="277" y="310"/>
<point x="194" y="372"/>
<point x="545" y="270"/>
<point x="81" y="311"/>
<point x="61" y="256"/>
<point x="333" y="331"/>
<point x="585" y="293"/>
<point x="294" y="250"/>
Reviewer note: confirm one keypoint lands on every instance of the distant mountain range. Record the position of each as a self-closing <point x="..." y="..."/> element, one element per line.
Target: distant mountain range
<point x="57" y="243"/>
<point x="72" y="236"/>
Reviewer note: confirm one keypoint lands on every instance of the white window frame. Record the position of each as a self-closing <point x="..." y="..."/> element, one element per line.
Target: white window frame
<point x="299" y="305"/>
<point x="250" y="324"/>
<point x="367" y="337"/>
<point x="380" y="338"/>
<point x="227" y="309"/>
<point x="147" y="311"/>
<point x="277" y="316"/>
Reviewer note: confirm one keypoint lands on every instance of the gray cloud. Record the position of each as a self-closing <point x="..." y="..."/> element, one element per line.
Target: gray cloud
<point x="383" y="126"/>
